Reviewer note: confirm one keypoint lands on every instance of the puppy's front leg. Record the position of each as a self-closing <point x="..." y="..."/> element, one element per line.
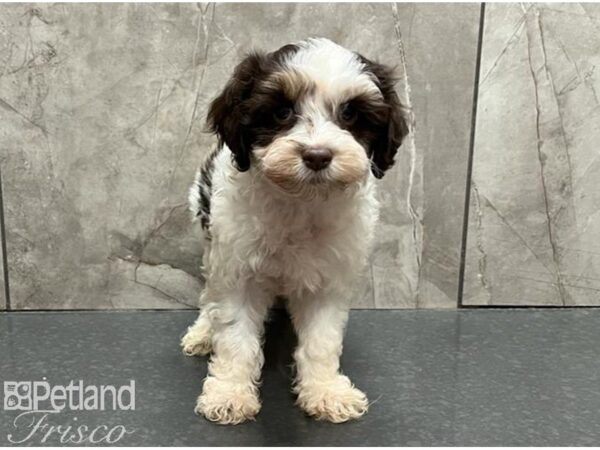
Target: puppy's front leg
<point x="230" y="392"/>
<point x="323" y="392"/>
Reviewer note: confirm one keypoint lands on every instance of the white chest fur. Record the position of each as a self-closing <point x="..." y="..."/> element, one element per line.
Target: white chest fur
<point x="290" y="245"/>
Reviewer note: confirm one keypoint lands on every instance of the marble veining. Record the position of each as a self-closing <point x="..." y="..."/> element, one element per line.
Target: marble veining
<point x="534" y="222"/>
<point x="103" y="108"/>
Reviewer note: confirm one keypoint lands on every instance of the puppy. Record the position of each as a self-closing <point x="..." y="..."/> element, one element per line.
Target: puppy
<point x="288" y="207"/>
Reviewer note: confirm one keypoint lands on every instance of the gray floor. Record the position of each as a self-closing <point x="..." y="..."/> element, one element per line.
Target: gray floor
<point x="470" y="377"/>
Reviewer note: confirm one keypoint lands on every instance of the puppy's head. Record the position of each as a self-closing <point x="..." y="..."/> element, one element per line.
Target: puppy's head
<point x="311" y="116"/>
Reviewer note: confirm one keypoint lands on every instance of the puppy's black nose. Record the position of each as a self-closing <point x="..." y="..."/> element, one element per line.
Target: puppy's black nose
<point x="317" y="158"/>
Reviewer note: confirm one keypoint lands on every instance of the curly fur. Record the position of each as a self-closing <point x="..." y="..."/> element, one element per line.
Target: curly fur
<point x="278" y="228"/>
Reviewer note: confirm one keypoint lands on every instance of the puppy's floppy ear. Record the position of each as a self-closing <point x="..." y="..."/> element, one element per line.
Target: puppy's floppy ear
<point x="386" y="145"/>
<point x="227" y="115"/>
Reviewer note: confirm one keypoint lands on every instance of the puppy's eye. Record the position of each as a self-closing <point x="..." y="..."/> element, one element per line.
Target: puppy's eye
<point x="348" y="113"/>
<point x="283" y="114"/>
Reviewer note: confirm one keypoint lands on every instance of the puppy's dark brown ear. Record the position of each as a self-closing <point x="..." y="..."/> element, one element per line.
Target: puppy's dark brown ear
<point x="227" y="115"/>
<point x="386" y="145"/>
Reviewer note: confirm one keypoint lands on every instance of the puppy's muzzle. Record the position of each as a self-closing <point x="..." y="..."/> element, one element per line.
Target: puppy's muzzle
<point x="317" y="158"/>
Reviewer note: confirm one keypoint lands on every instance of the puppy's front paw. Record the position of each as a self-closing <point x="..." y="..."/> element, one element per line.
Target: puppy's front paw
<point x="228" y="403"/>
<point x="197" y="341"/>
<point x="335" y="401"/>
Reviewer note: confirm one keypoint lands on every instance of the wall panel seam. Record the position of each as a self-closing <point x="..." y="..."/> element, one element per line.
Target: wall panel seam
<point x="4" y="252"/>
<point x="463" y="250"/>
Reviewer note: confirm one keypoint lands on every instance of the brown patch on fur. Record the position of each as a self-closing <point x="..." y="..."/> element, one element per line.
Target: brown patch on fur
<point x="243" y="114"/>
<point x="381" y="125"/>
<point x="294" y="84"/>
<point x="349" y="167"/>
<point x="281" y="163"/>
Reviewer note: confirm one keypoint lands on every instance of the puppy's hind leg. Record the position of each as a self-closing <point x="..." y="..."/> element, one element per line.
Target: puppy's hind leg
<point x="198" y="339"/>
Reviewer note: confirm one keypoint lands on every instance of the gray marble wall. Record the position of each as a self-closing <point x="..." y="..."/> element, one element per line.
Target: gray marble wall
<point x="534" y="224"/>
<point x="102" y="109"/>
<point x="441" y="47"/>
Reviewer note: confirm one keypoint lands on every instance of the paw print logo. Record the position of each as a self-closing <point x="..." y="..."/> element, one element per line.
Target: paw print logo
<point x="17" y="395"/>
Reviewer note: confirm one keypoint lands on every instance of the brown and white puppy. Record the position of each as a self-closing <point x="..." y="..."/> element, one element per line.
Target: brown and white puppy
<point x="287" y="204"/>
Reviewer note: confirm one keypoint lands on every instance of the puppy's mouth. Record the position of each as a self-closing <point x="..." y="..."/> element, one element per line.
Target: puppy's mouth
<point x="317" y="178"/>
<point x="303" y="183"/>
<point x="308" y="172"/>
